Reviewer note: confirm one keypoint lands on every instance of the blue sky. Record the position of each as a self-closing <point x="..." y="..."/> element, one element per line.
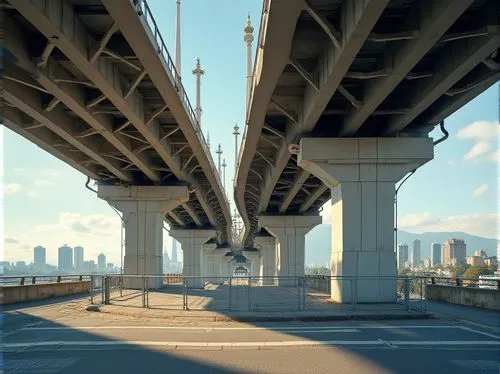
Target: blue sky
<point x="46" y="202"/>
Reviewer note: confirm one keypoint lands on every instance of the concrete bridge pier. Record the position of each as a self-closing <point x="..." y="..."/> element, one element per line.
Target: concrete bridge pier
<point x="289" y="233"/>
<point x="212" y="263"/>
<point x="143" y="210"/>
<point x="362" y="173"/>
<point x="267" y="264"/>
<point x="192" y="246"/>
<point x="253" y="256"/>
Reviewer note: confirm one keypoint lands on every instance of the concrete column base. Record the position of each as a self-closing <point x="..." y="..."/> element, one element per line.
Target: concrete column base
<point x="362" y="173"/>
<point x="289" y="232"/>
<point x="143" y="210"/>
<point x="376" y="282"/>
<point x="192" y="242"/>
<point x="267" y="248"/>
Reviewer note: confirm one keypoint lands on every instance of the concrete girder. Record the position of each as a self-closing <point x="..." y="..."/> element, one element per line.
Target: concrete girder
<point x="312" y="198"/>
<point x="276" y="33"/>
<point x="331" y="67"/>
<point x="304" y="73"/>
<point x="136" y="30"/>
<point x="72" y="39"/>
<point x="44" y="138"/>
<point x="71" y="95"/>
<point x="74" y="98"/>
<point x="103" y="42"/>
<point x="189" y="209"/>
<point x="448" y="105"/>
<point x="297" y="184"/>
<point x="334" y="35"/>
<point x="175" y="217"/>
<point x="60" y="123"/>
<point x="435" y="17"/>
<point x="133" y="85"/>
<point x="453" y="63"/>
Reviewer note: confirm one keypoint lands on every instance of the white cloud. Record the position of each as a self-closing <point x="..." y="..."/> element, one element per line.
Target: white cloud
<point x="482" y="224"/>
<point x="480" y="190"/>
<point x="11" y="188"/>
<point x="485" y="134"/>
<point x="31" y="194"/>
<point x="11" y="241"/>
<point x="478" y="149"/>
<point x="418" y="219"/>
<point x="43" y="183"/>
<point x="482" y="130"/>
<point x="50" y="172"/>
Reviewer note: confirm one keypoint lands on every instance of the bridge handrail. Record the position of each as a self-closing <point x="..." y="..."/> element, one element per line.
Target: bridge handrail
<point x="145" y="12"/>
<point x="32" y="279"/>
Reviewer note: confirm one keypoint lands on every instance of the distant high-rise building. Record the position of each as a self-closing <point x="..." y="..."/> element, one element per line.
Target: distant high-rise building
<point x="65" y="258"/>
<point x="166" y="262"/>
<point x="78" y="258"/>
<point x="101" y="262"/>
<point x="174" y="250"/>
<point x="109" y="267"/>
<point x="475" y="261"/>
<point x="92" y="266"/>
<point x="86" y="267"/>
<point x="435" y="254"/>
<point x="39" y="257"/>
<point x="480" y="253"/>
<point x="402" y="255"/>
<point x="415" y="253"/>
<point x="453" y="251"/>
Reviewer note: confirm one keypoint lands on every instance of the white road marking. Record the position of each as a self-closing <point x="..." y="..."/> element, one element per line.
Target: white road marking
<point x="290" y="330"/>
<point x="175" y="344"/>
<point x="479" y="332"/>
<point x="273" y="328"/>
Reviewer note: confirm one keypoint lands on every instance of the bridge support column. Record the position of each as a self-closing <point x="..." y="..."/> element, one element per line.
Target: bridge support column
<point x="362" y="173"/>
<point x="290" y="233"/>
<point x="267" y="265"/>
<point x="212" y="266"/>
<point x="253" y="256"/>
<point x="143" y="210"/>
<point x="192" y="247"/>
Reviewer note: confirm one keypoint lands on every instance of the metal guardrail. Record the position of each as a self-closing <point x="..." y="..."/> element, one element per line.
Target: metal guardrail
<point x="145" y="13"/>
<point x="254" y="293"/>
<point x="22" y="280"/>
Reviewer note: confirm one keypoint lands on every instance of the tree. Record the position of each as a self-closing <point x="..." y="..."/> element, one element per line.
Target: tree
<point x="476" y="271"/>
<point x="459" y="269"/>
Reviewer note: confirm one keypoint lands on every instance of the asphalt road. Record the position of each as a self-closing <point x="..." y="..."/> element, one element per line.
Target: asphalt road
<point x="62" y="338"/>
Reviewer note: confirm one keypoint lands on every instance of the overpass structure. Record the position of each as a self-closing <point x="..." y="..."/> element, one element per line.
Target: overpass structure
<point x="344" y="95"/>
<point x="92" y="83"/>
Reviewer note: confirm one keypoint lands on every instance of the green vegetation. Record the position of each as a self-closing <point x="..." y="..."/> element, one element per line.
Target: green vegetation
<point x="476" y="271"/>
<point x="317" y="270"/>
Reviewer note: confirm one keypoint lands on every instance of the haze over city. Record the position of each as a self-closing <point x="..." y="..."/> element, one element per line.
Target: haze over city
<point x="47" y="204"/>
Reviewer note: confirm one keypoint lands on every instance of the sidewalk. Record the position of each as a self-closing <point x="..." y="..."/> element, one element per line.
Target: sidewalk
<point x="263" y="304"/>
<point x="462" y="313"/>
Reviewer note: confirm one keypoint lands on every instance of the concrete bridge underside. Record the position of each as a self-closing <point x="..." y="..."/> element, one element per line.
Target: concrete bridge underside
<point x="92" y="83"/>
<point x="343" y="97"/>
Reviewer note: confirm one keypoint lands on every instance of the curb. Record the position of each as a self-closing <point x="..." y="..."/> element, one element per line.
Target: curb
<point x="285" y="318"/>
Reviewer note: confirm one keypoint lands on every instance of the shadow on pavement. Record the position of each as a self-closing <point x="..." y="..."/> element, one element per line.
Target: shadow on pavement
<point x="104" y="357"/>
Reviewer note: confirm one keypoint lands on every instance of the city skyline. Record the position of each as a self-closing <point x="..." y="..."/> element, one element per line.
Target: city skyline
<point x="65" y="209"/>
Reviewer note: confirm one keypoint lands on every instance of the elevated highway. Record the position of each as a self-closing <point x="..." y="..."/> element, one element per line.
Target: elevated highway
<point x="343" y="98"/>
<point x="92" y="83"/>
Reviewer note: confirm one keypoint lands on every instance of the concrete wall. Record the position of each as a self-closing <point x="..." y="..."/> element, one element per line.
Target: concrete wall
<point x="19" y="294"/>
<point x="471" y="296"/>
